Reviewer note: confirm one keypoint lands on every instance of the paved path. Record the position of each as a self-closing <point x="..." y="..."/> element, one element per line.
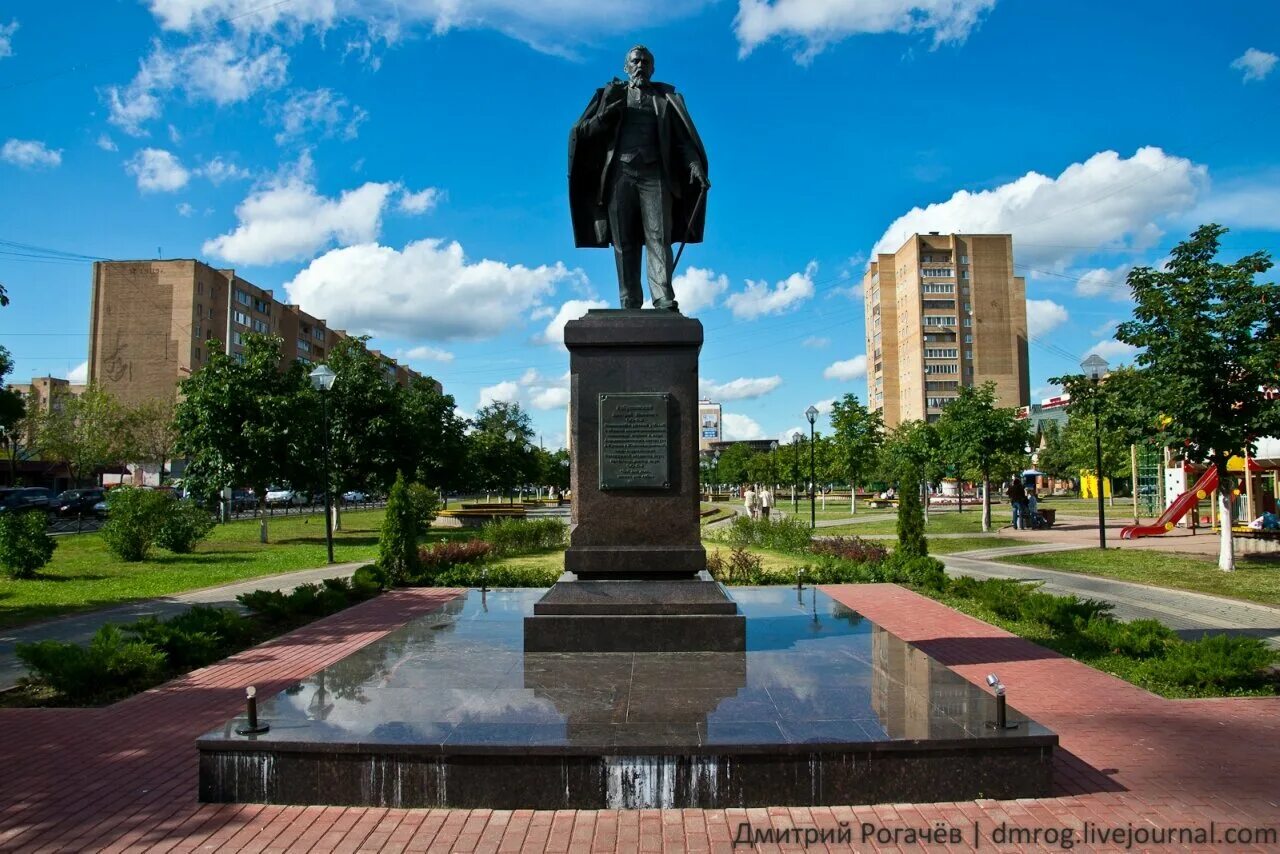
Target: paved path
<point x="123" y="777"/>
<point x="81" y="627"/>
<point x="1190" y="614"/>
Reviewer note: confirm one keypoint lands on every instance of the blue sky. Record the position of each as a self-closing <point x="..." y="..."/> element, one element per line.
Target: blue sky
<point x="398" y="166"/>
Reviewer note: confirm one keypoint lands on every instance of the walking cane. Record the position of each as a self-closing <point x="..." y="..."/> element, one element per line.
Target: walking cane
<point x="702" y="194"/>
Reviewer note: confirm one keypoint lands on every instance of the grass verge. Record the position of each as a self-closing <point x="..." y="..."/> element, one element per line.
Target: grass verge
<point x="1254" y="580"/>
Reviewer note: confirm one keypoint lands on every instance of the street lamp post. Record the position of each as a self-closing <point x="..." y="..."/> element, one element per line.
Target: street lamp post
<point x="773" y="463"/>
<point x="812" y="414"/>
<point x="1095" y="368"/>
<point x="795" y="472"/>
<point x="511" y="439"/>
<point x="322" y="381"/>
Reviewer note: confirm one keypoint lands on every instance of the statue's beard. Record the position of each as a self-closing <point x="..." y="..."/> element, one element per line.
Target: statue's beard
<point x="639" y="77"/>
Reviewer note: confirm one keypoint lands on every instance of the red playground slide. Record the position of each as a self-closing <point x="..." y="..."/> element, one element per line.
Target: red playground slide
<point x="1181" y="505"/>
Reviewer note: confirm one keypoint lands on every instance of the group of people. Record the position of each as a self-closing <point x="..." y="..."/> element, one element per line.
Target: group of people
<point x="1023" y="501"/>
<point x="757" y="503"/>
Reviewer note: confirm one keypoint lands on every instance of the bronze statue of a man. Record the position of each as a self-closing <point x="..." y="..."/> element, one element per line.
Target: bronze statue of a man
<point x="638" y="178"/>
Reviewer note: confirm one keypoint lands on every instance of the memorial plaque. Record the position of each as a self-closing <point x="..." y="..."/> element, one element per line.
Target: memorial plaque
<point x="634" y="441"/>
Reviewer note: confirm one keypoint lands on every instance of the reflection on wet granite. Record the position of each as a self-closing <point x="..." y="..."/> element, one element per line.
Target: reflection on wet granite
<point x="816" y="680"/>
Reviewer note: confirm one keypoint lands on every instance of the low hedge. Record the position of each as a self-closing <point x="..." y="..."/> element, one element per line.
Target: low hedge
<point x="121" y="660"/>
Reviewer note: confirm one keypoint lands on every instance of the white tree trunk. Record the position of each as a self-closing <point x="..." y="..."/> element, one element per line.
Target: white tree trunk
<point x="337" y="515"/>
<point x="1226" y="546"/>
<point x="853" y="501"/>
<point x="924" y="489"/>
<point x="986" y="505"/>
<point x="262" y="522"/>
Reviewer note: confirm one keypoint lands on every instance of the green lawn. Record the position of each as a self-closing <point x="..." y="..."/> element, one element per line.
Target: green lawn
<point x="945" y="522"/>
<point x="83" y="575"/>
<point x="1254" y="580"/>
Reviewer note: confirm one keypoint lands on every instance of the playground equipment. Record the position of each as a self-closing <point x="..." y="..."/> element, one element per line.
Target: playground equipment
<point x="1181" y="505"/>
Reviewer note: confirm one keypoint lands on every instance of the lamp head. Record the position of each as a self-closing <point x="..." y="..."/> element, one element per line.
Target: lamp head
<point x="511" y="435"/>
<point x="1095" y="367"/>
<point x="996" y="685"/>
<point x="811" y="413"/>
<point x="796" y="437"/>
<point x="322" y="378"/>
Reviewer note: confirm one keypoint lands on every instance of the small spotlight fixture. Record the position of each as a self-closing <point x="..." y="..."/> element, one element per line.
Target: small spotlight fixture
<point x="1002" y="708"/>
<point x="252" y="727"/>
<point x="484" y="580"/>
<point x="800" y="578"/>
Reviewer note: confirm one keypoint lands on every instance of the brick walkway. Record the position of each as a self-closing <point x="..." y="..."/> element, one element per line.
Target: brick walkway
<point x="124" y="777"/>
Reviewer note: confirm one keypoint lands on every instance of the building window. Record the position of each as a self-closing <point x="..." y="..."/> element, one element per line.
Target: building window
<point x="199" y="310"/>
<point x="237" y="338"/>
<point x="938" y="288"/>
<point x="197" y="353"/>
<point x="964" y="259"/>
<point x="968" y="338"/>
<point x="942" y="369"/>
<point x="968" y="354"/>
<point x="938" y="402"/>
<point x="304" y="346"/>
<point x="939" y="303"/>
<point x="939" y="272"/>
<point x="240" y="317"/>
<point x="304" y="360"/>
<point x="940" y="320"/>
<point x="200" y="288"/>
<point x="318" y="334"/>
<point x="941" y="352"/>
<point x="968" y="308"/>
<point x="968" y="321"/>
<point x="262" y="306"/>
<point x="211" y="312"/>
<point x="964" y="274"/>
<point x="243" y="298"/>
<point x="239" y="357"/>
<point x="195" y="333"/>
<point x="260" y="326"/>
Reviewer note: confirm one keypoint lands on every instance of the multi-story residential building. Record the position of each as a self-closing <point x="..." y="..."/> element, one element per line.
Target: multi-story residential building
<point x="944" y="311"/>
<point x="152" y="324"/>
<point x="710" y="429"/>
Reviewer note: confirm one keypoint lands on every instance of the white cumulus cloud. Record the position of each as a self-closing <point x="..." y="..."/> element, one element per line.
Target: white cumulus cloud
<point x="698" y="288"/>
<point x="424" y="353"/>
<point x="743" y="388"/>
<point x="849" y="369"/>
<point x="570" y="310"/>
<point x="106" y="143"/>
<point x="740" y="427"/>
<point x="815" y="342"/>
<point x="218" y="170"/>
<point x="419" y="202"/>
<point x="185" y="209"/>
<point x="503" y="392"/>
<point x="811" y="25"/>
<point x="1113" y="351"/>
<point x="30" y="154"/>
<point x="428" y="290"/>
<point x="221" y="72"/>
<point x="1109" y="282"/>
<point x="1044" y="316"/>
<point x="530" y="390"/>
<point x="320" y="113"/>
<point x="287" y="219"/>
<point x="6" y="38"/>
<point x="1108" y="202"/>
<point x="824" y="407"/>
<point x="157" y="171"/>
<point x="1255" y="64"/>
<point x="79" y="374"/>
<point x="759" y="298"/>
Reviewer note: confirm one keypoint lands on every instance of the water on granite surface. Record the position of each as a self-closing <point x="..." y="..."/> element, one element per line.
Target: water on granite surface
<point x="814" y="671"/>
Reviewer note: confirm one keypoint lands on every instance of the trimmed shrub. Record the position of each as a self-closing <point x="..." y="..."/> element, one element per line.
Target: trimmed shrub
<point x="911" y="538"/>
<point x="195" y="637"/>
<point x="853" y="549"/>
<point x="471" y="575"/>
<point x="398" y="540"/>
<point x="1137" y="639"/>
<point x="184" y="524"/>
<point x="1216" y="662"/>
<point x="425" y="502"/>
<point x="788" y="534"/>
<point x="510" y="537"/>
<point x="134" y="518"/>
<point x="833" y="570"/>
<point x="437" y="557"/>
<point x="110" y="665"/>
<point x="25" y="544"/>
<point x="270" y="606"/>
<point x="1061" y="613"/>
<point x="368" y="581"/>
<point x="918" y="570"/>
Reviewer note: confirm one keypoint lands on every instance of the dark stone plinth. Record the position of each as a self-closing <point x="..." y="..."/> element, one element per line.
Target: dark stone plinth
<point x="635" y="616"/>
<point x="635" y="598"/>
<point x="634" y="533"/>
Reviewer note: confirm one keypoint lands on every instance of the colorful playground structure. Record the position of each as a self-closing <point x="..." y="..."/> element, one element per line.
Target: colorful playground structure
<point x="1177" y="508"/>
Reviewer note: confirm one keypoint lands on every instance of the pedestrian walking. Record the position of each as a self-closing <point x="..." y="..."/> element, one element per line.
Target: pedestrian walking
<point x="750" y="502"/>
<point x="766" y="502"/>
<point x="1018" y="502"/>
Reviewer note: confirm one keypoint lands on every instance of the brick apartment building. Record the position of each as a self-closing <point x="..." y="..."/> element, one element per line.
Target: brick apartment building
<point x="944" y="311"/>
<point x="152" y="322"/>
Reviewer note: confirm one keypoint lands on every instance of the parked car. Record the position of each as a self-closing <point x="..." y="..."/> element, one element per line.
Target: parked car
<point x="354" y="495"/>
<point x="75" y="502"/>
<point x="284" y="498"/>
<point x="26" y="498"/>
<point x="243" y="499"/>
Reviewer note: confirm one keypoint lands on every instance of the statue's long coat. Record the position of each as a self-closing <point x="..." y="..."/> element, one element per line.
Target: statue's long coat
<point x="590" y="159"/>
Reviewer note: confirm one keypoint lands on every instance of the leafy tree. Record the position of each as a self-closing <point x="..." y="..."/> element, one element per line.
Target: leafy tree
<point x="433" y="442"/>
<point x="856" y="437"/>
<point x="911" y="456"/>
<point x="134" y="519"/>
<point x="497" y="456"/>
<point x="983" y="440"/>
<point x="1052" y="457"/>
<point x="911" y="538"/>
<point x="25" y="544"/>
<point x="242" y="421"/>
<point x="13" y="411"/>
<point x="554" y="467"/>
<point x="365" y="427"/>
<point x="735" y="464"/>
<point x="153" y="435"/>
<point x="87" y="432"/>
<point x="1079" y="448"/>
<point x="1209" y="335"/>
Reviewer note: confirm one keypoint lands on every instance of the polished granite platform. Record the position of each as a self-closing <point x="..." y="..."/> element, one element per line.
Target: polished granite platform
<point x="823" y="707"/>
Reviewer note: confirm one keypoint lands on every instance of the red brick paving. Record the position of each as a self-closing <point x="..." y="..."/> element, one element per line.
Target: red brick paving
<point x="124" y="777"/>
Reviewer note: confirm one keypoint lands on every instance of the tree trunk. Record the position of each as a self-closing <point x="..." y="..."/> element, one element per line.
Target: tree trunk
<point x="853" y="500"/>
<point x="262" y="518"/>
<point x="986" y="503"/>
<point x="1226" y="544"/>
<point x="924" y="488"/>
<point x="337" y="513"/>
